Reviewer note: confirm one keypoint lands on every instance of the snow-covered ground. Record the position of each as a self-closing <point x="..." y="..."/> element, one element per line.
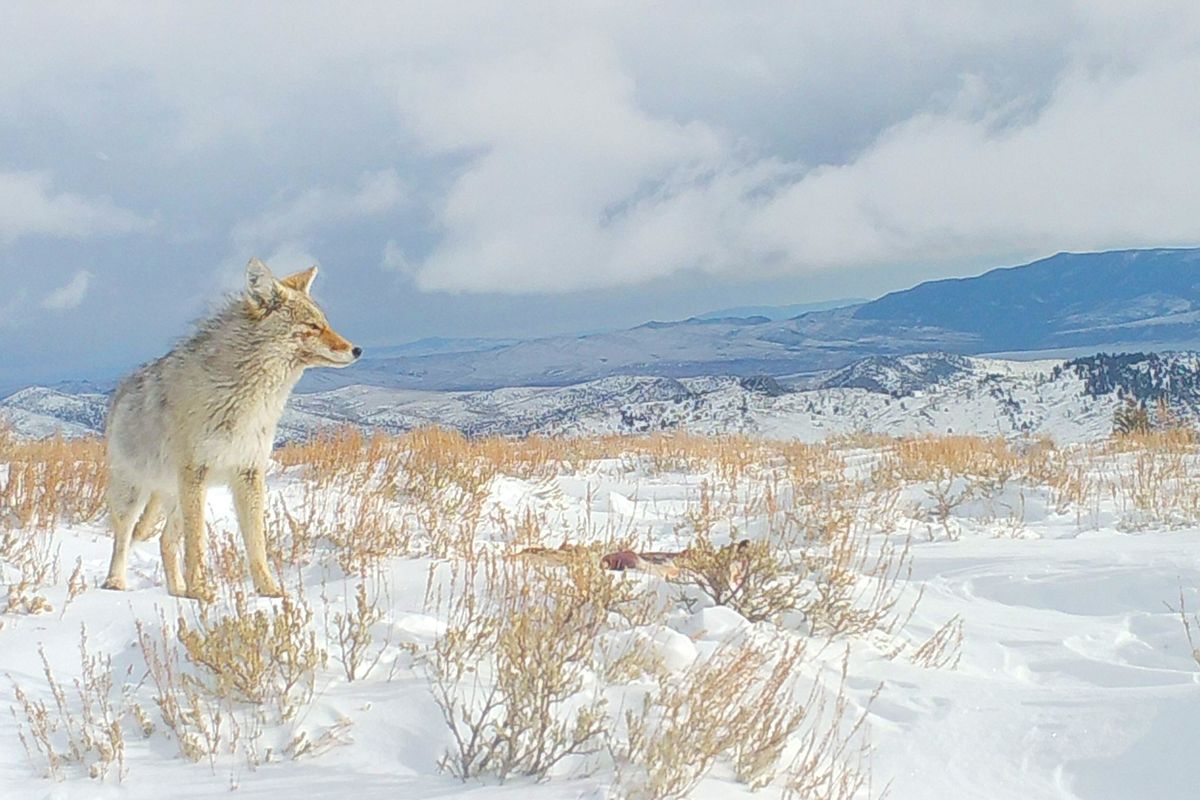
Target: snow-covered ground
<point x="1074" y="679"/>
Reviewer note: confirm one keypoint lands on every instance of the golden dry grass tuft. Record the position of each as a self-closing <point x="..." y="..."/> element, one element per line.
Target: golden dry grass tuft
<point x="47" y="481"/>
<point x="43" y="483"/>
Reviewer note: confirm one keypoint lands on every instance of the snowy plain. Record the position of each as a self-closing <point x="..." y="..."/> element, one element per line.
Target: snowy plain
<point x="1075" y="677"/>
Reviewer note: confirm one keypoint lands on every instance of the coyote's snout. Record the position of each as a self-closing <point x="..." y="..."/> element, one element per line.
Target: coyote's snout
<point x="205" y="414"/>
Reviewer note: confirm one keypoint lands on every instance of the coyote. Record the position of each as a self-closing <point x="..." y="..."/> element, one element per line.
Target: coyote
<point x="205" y="414"/>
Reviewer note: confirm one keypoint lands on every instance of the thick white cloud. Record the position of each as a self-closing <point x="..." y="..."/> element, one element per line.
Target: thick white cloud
<point x="71" y="295"/>
<point x="30" y="207"/>
<point x="572" y="182"/>
<point x="555" y="147"/>
<point x="1107" y="161"/>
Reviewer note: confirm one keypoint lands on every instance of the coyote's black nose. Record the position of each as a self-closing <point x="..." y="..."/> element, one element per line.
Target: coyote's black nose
<point x="357" y="352"/>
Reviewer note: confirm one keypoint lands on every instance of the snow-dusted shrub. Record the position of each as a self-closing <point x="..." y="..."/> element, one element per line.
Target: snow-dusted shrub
<point x="739" y="706"/>
<point x="349" y="634"/>
<point x="753" y="578"/>
<point x="264" y="656"/>
<point x="514" y="673"/>
<point x="83" y="723"/>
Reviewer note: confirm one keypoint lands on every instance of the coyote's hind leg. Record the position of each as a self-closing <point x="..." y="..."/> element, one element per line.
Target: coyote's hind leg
<point x="149" y="520"/>
<point x="125" y="503"/>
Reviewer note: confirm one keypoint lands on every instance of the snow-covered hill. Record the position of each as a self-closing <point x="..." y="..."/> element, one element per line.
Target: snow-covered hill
<point x="37" y="411"/>
<point x="922" y="393"/>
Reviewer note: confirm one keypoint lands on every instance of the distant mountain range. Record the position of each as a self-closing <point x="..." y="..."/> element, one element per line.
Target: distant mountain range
<point x="918" y="393"/>
<point x="906" y="362"/>
<point x="1068" y="304"/>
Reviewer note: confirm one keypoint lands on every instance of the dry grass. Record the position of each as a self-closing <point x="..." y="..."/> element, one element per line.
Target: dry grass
<point x="1169" y="438"/>
<point x="203" y="725"/>
<point x="832" y="759"/>
<point x="423" y="494"/>
<point x="1191" y="627"/>
<point x="739" y="706"/>
<point x="33" y="559"/>
<point x="721" y="708"/>
<point x="47" y="481"/>
<point x="515" y="699"/>
<point x="43" y="483"/>
<point x="817" y="555"/>
<point x="260" y="655"/>
<point x="930" y="458"/>
<point x="796" y="538"/>
<point x="943" y="649"/>
<point x="81" y="726"/>
<point x="1151" y="477"/>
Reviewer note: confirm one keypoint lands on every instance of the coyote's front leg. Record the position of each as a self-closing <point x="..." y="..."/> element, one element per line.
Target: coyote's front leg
<point x="249" y="498"/>
<point x="191" y="508"/>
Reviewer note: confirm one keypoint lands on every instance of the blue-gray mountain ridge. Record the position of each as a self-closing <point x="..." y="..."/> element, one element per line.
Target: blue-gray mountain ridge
<point x="1065" y="305"/>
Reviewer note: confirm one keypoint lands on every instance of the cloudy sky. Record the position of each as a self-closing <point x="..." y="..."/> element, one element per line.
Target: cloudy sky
<point x="521" y="168"/>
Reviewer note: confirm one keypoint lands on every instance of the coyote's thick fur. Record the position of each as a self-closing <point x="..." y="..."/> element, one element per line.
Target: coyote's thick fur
<point x="205" y="414"/>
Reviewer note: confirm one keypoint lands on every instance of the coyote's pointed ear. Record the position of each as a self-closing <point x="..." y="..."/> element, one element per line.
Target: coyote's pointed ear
<point x="262" y="290"/>
<point x="301" y="281"/>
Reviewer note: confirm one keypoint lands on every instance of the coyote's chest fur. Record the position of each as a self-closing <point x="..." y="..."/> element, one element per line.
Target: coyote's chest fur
<point x="206" y="413"/>
<point x="213" y="403"/>
<point x="236" y="425"/>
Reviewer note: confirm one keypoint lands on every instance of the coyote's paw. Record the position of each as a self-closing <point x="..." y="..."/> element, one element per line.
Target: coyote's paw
<point x="200" y="592"/>
<point x="114" y="583"/>
<point x="269" y="589"/>
<point x="176" y="586"/>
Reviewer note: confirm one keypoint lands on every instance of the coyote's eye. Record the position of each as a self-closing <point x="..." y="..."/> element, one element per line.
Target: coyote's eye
<point x="311" y="328"/>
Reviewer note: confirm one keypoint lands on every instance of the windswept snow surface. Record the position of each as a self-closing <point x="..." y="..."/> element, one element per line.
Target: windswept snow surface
<point x="1076" y="679"/>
